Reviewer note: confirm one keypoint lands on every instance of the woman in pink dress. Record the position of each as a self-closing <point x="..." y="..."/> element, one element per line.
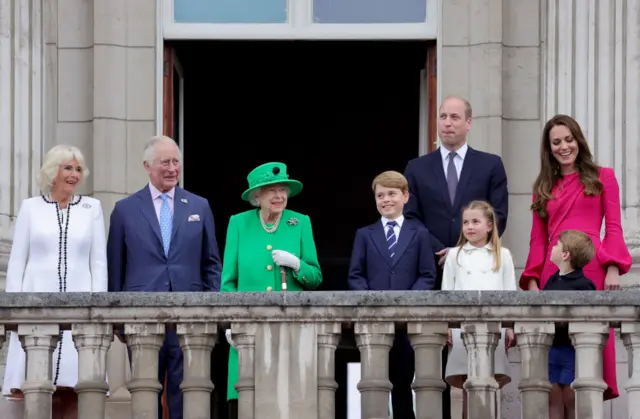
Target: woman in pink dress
<point x="573" y="192"/>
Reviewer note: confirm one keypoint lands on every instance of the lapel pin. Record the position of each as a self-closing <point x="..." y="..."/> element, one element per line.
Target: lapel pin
<point x="184" y="200"/>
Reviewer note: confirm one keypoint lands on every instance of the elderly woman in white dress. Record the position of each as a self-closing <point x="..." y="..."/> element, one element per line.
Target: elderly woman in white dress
<point x="58" y="246"/>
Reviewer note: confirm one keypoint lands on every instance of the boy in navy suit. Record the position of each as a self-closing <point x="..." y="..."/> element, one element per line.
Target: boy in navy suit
<point x="394" y="253"/>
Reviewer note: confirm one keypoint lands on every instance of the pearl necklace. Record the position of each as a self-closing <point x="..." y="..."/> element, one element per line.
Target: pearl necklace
<point x="273" y="228"/>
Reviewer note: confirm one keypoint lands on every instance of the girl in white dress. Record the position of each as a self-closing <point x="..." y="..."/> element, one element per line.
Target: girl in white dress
<point x="58" y="246"/>
<point x="478" y="263"/>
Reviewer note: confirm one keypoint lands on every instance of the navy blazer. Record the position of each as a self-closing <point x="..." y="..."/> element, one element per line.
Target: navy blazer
<point x="412" y="267"/>
<point x="136" y="259"/>
<point x="482" y="178"/>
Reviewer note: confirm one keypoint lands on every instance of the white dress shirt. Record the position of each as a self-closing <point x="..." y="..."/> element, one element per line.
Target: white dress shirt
<point x="396" y="228"/>
<point x="458" y="161"/>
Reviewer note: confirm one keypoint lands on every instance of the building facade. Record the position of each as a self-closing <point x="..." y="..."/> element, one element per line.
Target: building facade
<point x="90" y="73"/>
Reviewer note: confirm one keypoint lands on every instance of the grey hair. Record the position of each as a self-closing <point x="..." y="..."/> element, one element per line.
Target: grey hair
<point x="51" y="165"/>
<point x="149" y="153"/>
<point x="253" y="196"/>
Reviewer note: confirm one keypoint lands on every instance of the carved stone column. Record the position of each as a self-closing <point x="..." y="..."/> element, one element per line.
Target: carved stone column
<point x="92" y="341"/>
<point x="481" y="340"/>
<point x="197" y="341"/>
<point x="592" y="72"/>
<point x="631" y="338"/>
<point x="427" y="340"/>
<point x="328" y="339"/>
<point x="145" y="341"/>
<point x="39" y="341"/>
<point x="374" y="341"/>
<point x="534" y="341"/>
<point x="244" y="337"/>
<point x="589" y="340"/>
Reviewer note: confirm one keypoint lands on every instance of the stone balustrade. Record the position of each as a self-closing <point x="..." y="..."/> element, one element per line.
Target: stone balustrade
<point x="286" y="345"/>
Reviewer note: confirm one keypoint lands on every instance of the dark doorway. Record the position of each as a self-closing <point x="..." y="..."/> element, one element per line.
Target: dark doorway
<point x="337" y="113"/>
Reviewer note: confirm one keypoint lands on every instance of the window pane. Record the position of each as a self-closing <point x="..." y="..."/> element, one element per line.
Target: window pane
<point x="230" y="11"/>
<point x="369" y="11"/>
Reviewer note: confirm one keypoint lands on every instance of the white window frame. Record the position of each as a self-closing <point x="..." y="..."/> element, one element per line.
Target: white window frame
<point x="299" y="26"/>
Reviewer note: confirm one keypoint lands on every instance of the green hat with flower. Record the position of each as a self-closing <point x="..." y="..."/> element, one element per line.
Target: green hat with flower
<point x="271" y="174"/>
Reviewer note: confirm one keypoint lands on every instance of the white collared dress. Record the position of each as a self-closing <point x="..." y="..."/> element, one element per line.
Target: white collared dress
<point x="470" y="268"/>
<point x="55" y="250"/>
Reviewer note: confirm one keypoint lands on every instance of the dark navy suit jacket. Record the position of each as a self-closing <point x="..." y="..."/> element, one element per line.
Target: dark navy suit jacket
<point x="482" y="178"/>
<point x="412" y="266"/>
<point x="136" y="258"/>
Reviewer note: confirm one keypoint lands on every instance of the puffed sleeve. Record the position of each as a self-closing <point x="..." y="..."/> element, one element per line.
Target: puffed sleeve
<point x="19" y="250"/>
<point x="508" y="271"/>
<point x="538" y="246"/>
<point x="98" y="254"/>
<point x="613" y="250"/>
<point x="449" y="271"/>
<point x="309" y="274"/>
<point x="229" y="277"/>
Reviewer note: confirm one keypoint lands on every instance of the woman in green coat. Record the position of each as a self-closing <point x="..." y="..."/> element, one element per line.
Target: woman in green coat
<point x="262" y="241"/>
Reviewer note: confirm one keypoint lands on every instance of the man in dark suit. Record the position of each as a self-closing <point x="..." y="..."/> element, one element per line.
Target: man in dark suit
<point x="443" y="182"/>
<point x="162" y="238"/>
<point x="394" y="254"/>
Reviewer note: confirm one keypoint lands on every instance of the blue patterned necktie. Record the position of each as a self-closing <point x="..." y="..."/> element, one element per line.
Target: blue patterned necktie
<point x="166" y="223"/>
<point x="452" y="177"/>
<point x="391" y="238"/>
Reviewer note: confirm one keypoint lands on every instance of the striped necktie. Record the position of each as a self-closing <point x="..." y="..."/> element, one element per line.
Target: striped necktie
<point x="391" y="238"/>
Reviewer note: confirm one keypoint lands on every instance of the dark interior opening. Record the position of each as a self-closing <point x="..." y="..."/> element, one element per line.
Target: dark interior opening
<point x="337" y="113"/>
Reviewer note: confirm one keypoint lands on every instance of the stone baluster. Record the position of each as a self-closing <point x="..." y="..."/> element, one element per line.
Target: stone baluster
<point x="631" y="338"/>
<point x="39" y="341"/>
<point x="145" y="341"/>
<point x="589" y="339"/>
<point x="534" y="341"/>
<point x="328" y="339"/>
<point x="481" y="340"/>
<point x="374" y="341"/>
<point x="92" y="341"/>
<point x="244" y="337"/>
<point x="427" y="340"/>
<point x="197" y="341"/>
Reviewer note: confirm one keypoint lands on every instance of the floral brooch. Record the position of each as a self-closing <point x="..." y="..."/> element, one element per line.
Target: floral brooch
<point x="293" y="221"/>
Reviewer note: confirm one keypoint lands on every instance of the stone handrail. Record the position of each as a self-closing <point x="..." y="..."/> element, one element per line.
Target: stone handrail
<point x="313" y="322"/>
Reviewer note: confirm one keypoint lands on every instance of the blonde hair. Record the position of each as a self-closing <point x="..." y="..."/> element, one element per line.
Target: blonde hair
<point x="494" y="238"/>
<point x="391" y="179"/>
<point x="579" y="246"/>
<point x="51" y="165"/>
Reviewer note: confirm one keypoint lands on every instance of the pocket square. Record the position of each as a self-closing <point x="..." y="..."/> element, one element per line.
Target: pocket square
<point x="194" y="217"/>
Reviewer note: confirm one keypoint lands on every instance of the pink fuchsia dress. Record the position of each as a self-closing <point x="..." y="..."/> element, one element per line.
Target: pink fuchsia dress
<point x="573" y="210"/>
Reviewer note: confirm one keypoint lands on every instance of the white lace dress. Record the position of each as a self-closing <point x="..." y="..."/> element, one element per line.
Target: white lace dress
<point x="55" y="251"/>
<point x="473" y="271"/>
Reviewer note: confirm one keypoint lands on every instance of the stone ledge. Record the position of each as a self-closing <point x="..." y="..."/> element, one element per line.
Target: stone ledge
<point x="345" y="307"/>
<point x="319" y="298"/>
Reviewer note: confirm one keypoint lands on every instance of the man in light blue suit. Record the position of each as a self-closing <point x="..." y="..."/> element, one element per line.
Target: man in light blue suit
<point x="161" y="239"/>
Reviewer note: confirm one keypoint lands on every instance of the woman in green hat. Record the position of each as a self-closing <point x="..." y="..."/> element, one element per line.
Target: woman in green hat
<point x="270" y="248"/>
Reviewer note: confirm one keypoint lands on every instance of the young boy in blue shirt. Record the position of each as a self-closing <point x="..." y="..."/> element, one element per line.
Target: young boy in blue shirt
<point x="394" y="254"/>
<point x="572" y="252"/>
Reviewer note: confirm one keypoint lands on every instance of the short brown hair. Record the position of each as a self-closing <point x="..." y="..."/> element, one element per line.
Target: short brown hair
<point x="579" y="246"/>
<point x="391" y="179"/>
<point x="467" y="105"/>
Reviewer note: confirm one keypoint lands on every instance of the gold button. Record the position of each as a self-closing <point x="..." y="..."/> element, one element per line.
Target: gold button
<point x="269" y="267"/>
<point x="269" y="289"/>
<point x="269" y="247"/>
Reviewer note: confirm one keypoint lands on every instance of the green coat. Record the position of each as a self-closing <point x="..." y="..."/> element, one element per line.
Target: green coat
<point x="248" y="265"/>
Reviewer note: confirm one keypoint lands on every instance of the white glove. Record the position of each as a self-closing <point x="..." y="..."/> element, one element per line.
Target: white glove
<point x="284" y="258"/>
<point x="227" y="334"/>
